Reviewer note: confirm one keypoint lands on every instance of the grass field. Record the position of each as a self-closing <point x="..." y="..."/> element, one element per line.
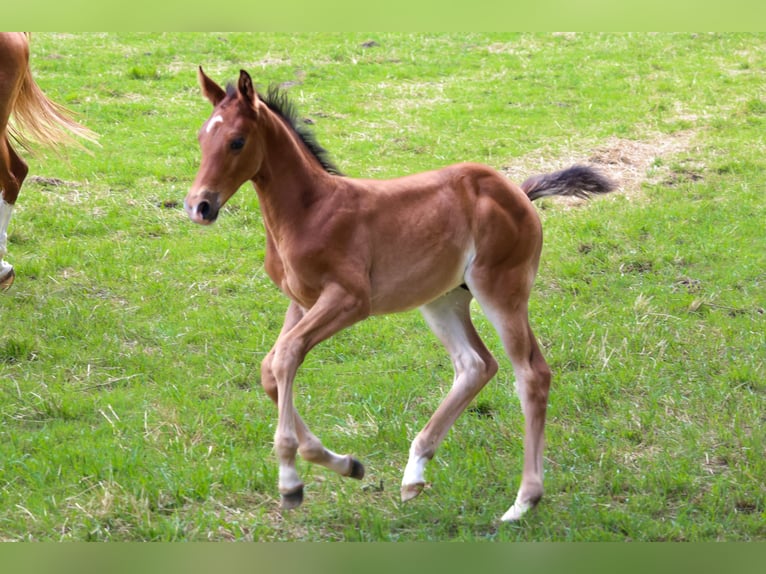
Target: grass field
<point x="130" y="344"/>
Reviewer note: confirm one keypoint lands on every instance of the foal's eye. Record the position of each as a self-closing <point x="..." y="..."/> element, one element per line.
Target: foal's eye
<point x="237" y="144"/>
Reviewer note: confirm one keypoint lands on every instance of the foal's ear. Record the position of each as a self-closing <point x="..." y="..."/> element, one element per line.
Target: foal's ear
<point x="245" y="87"/>
<point x="210" y="89"/>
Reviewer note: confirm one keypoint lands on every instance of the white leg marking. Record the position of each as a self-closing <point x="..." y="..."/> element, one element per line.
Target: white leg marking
<point x="6" y="210"/>
<point x="5" y="271"/>
<point x="414" y="472"/>
<point x="516" y="511"/>
<point x="289" y="480"/>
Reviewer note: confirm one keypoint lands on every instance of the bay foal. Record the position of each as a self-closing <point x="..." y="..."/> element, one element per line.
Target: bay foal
<point x="343" y="249"/>
<point x="35" y="115"/>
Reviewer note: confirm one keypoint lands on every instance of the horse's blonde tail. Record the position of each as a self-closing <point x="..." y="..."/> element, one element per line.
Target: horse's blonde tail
<point x="39" y="119"/>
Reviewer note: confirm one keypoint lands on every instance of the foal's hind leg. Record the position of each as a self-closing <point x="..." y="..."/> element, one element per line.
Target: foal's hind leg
<point x="533" y="378"/>
<point x="450" y="319"/>
<point x="508" y="314"/>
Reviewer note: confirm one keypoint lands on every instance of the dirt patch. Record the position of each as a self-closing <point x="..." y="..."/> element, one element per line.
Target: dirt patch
<point x="630" y="163"/>
<point x="48" y="181"/>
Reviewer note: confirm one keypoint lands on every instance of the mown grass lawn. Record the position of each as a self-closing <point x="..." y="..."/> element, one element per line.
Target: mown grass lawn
<point x="130" y="343"/>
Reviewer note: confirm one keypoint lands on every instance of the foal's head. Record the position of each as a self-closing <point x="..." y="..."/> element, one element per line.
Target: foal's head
<point x="231" y="152"/>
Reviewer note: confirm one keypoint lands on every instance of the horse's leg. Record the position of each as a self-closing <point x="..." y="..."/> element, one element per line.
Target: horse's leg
<point x="335" y="309"/>
<point x="13" y="170"/>
<point x="6" y="270"/>
<point x="309" y="446"/>
<point x="533" y="380"/>
<point x="450" y="319"/>
<point x="504" y="300"/>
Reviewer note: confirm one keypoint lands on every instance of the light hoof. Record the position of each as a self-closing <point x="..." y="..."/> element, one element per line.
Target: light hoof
<point x="292" y="499"/>
<point x="410" y="491"/>
<point x="519" y="509"/>
<point x="514" y="513"/>
<point x="357" y="469"/>
<point x="7" y="280"/>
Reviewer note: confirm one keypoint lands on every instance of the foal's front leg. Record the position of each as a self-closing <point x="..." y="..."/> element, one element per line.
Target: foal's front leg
<point x="335" y="309"/>
<point x="310" y="448"/>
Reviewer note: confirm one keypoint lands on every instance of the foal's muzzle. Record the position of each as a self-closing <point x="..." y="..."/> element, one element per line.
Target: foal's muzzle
<point x="202" y="210"/>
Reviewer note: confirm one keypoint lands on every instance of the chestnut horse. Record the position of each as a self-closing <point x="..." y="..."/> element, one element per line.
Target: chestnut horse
<point x="43" y="120"/>
<point x="343" y="249"/>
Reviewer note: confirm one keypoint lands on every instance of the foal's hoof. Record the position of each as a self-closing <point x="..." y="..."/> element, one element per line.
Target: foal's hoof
<point x="7" y="280"/>
<point x="520" y="508"/>
<point x="516" y="511"/>
<point x="410" y="491"/>
<point x="357" y="469"/>
<point x="292" y="499"/>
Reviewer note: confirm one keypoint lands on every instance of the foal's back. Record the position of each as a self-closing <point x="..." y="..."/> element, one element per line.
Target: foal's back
<point x="423" y="232"/>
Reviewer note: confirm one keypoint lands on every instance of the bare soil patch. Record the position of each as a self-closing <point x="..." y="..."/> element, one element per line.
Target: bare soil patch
<point x="630" y="163"/>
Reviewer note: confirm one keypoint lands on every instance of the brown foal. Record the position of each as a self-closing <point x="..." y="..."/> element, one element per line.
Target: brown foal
<point x="343" y="249"/>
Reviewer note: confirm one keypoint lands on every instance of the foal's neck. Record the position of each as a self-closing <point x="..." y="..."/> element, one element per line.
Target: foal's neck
<point x="290" y="182"/>
<point x="290" y="177"/>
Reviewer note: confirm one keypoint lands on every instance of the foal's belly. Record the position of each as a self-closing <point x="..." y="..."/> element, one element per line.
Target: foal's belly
<point x="409" y="282"/>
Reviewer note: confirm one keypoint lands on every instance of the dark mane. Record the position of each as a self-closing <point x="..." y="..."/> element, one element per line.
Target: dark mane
<point x="277" y="101"/>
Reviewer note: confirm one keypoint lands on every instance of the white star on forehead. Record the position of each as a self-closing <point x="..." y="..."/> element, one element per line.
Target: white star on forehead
<point x="213" y="122"/>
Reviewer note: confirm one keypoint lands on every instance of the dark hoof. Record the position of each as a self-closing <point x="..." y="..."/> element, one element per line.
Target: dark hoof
<point x="292" y="499"/>
<point x="357" y="469"/>
<point x="7" y="281"/>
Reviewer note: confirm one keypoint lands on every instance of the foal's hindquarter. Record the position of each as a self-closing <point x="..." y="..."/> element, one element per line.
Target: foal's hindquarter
<point x="343" y="249"/>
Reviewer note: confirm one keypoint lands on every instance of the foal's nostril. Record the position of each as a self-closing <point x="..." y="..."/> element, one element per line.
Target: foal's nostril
<point x="203" y="209"/>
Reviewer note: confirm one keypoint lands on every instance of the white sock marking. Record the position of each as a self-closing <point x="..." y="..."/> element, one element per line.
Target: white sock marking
<point x="6" y="209"/>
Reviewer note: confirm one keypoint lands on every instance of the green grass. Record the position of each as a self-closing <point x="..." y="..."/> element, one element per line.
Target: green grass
<point x="130" y="343"/>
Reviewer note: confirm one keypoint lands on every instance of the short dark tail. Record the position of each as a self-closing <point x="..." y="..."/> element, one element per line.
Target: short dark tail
<point x="576" y="181"/>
